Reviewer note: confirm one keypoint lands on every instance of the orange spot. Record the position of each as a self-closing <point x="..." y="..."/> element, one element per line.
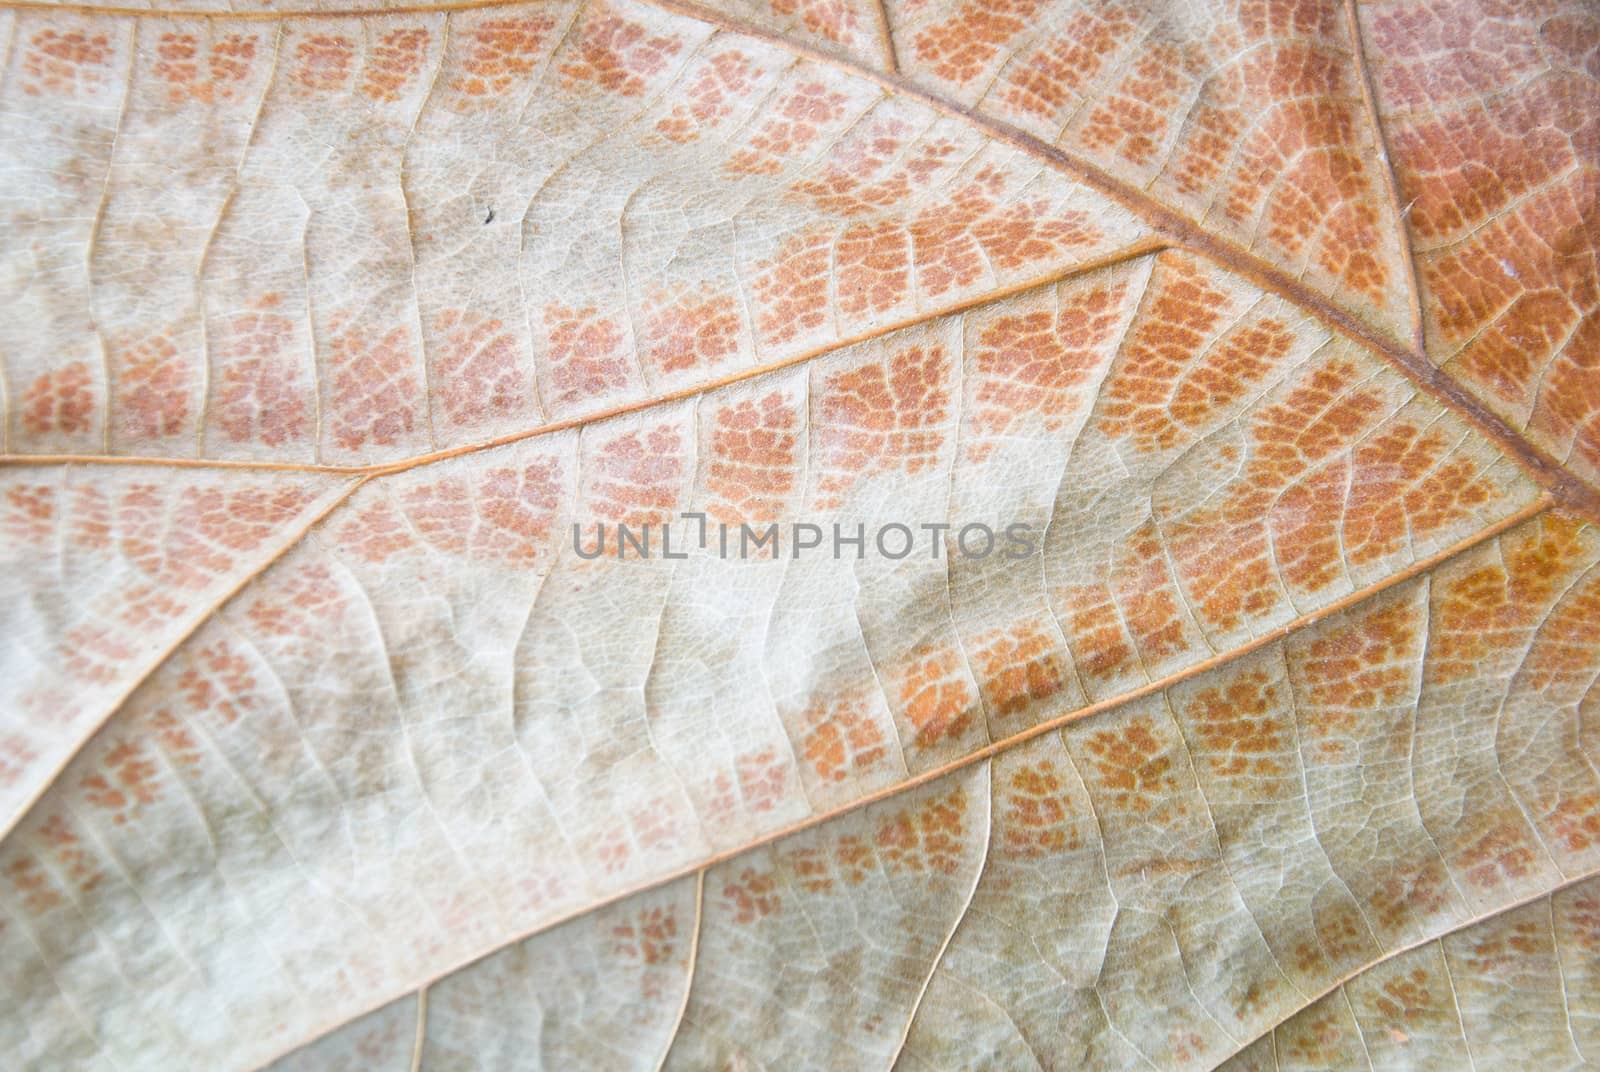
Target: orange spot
<point x="708" y="98"/>
<point x="1407" y="998"/>
<point x="1133" y="765"/>
<point x="657" y="825"/>
<point x="842" y="740"/>
<point x="479" y="368"/>
<point x="34" y="888"/>
<point x="1056" y="69"/>
<point x="846" y="186"/>
<point x="376" y="533"/>
<point x="812" y="870"/>
<point x="219" y="681"/>
<point x="151" y="388"/>
<point x="1304" y="159"/>
<point x="1494" y="140"/>
<point x="1399" y="485"/>
<point x="1362" y="665"/>
<point x="262" y="394"/>
<point x="217" y="80"/>
<point x="636" y="478"/>
<point x="1138" y="612"/>
<point x="1238" y="722"/>
<point x="873" y="261"/>
<point x="1098" y="637"/>
<point x="179" y="539"/>
<point x="1563" y="656"/>
<point x="1031" y="364"/>
<point x="792" y="288"/>
<point x="17" y="757"/>
<point x="1034" y="820"/>
<point x="1029" y="232"/>
<point x="1132" y="121"/>
<point x="1341" y="934"/>
<point x="1500" y="852"/>
<point x="323" y="62"/>
<point x="691" y="329"/>
<point x="755" y="459"/>
<point x="616" y="55"/>
<point x="586" y="358"/>
<point x="500" y="53"/>
<point x="1500" y="951"/>
<point x="125" y="782"/>
<point x="394" y="63"/>
<point x="752" y="896"/>
<point x="510" y="519"/>
<point x="961" y="47"/>
<point x="758" y="783"/>
<point x="794" y="127"/>
<point x="304" y="603"/>
<point x="1225" y="553"/>
<point x="71" y="858"/>
<point x="1019" y="668"/>
<point x="66" y="63"/>
<point x="1174" y="376"/>
<point x="926" y="838"/>
<point x="854" y="859"/>
<point x="1482" y="615"/>
<point x="30" y="510"/>
<point x="831" y="19"/>
<point x="376" y="394"/>
<point x="946" y="251"/>
<point x="881" y="417"/>
<point x="934" y="695"/>
<point x="1580" y="911"/>
<point x="652" y="939"/>
<point x="60" y="401"/>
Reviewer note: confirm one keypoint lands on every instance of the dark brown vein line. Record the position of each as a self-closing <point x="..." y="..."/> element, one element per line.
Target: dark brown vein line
<point x="1399" y="951"/>
<point x="989" y="751"/>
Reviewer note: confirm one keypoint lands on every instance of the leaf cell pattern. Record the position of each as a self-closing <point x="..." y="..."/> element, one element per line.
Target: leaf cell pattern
<point x="1272" y="323"/>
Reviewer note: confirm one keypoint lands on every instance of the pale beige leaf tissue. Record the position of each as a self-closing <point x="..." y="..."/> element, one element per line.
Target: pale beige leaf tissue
<point x="331" y="337"/>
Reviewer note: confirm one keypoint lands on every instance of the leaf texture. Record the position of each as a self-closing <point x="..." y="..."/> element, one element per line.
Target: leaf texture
<point x="325" y="747"/>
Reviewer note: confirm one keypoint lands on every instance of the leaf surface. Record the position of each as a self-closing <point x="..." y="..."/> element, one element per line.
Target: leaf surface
<point x="325" y="745"/>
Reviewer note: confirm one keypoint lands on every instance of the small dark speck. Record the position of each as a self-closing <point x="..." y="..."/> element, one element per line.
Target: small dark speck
<point x="489" y="218"/>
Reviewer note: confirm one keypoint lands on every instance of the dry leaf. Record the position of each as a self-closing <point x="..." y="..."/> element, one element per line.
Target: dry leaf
<point x="1274" y="326"/>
